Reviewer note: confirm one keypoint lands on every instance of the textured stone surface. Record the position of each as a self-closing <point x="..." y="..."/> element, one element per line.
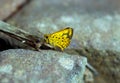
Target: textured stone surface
<point x="9" y="6"/>
<point x="27" y="66"/>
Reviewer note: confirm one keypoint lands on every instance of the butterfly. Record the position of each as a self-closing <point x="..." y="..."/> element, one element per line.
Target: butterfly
<point x="59" y="40"/>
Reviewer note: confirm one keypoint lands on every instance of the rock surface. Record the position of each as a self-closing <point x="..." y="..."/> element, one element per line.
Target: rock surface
<point x="26" y="66"/>
<point x="7" y="7"/>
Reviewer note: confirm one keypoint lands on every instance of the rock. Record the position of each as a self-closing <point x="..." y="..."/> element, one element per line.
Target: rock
<point x="88" y="77"/>
<point x="7" y="7"/>
<point x="13" y="37"/>
<point x="46" y="66"/>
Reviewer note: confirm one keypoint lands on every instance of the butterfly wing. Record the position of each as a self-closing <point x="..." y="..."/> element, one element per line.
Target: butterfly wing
<point x="60" y="39"/>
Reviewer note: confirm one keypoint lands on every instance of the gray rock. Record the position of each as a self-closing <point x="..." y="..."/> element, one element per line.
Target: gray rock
<point x="46" y="66"/>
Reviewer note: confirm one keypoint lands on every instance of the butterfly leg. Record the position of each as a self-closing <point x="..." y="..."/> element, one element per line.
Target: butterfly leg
<point x="37" y="45"/>
<point x="59" y="47"/>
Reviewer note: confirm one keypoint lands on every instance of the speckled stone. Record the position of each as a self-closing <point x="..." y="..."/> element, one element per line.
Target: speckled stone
<point x="46" y="66"/>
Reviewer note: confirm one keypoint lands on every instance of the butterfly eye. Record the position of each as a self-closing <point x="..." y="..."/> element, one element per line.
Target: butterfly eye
<point x="46" y="36"/>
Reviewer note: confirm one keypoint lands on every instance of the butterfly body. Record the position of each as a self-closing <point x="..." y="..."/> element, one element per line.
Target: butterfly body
<point x="60" y="39"/>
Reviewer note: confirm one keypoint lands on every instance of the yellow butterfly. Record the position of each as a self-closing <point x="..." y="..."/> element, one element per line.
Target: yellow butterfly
<point x="60" y="39"/>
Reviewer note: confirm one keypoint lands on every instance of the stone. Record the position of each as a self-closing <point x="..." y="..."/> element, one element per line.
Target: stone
<point x="8" y="7"/>
<point x="46" y="66"/>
